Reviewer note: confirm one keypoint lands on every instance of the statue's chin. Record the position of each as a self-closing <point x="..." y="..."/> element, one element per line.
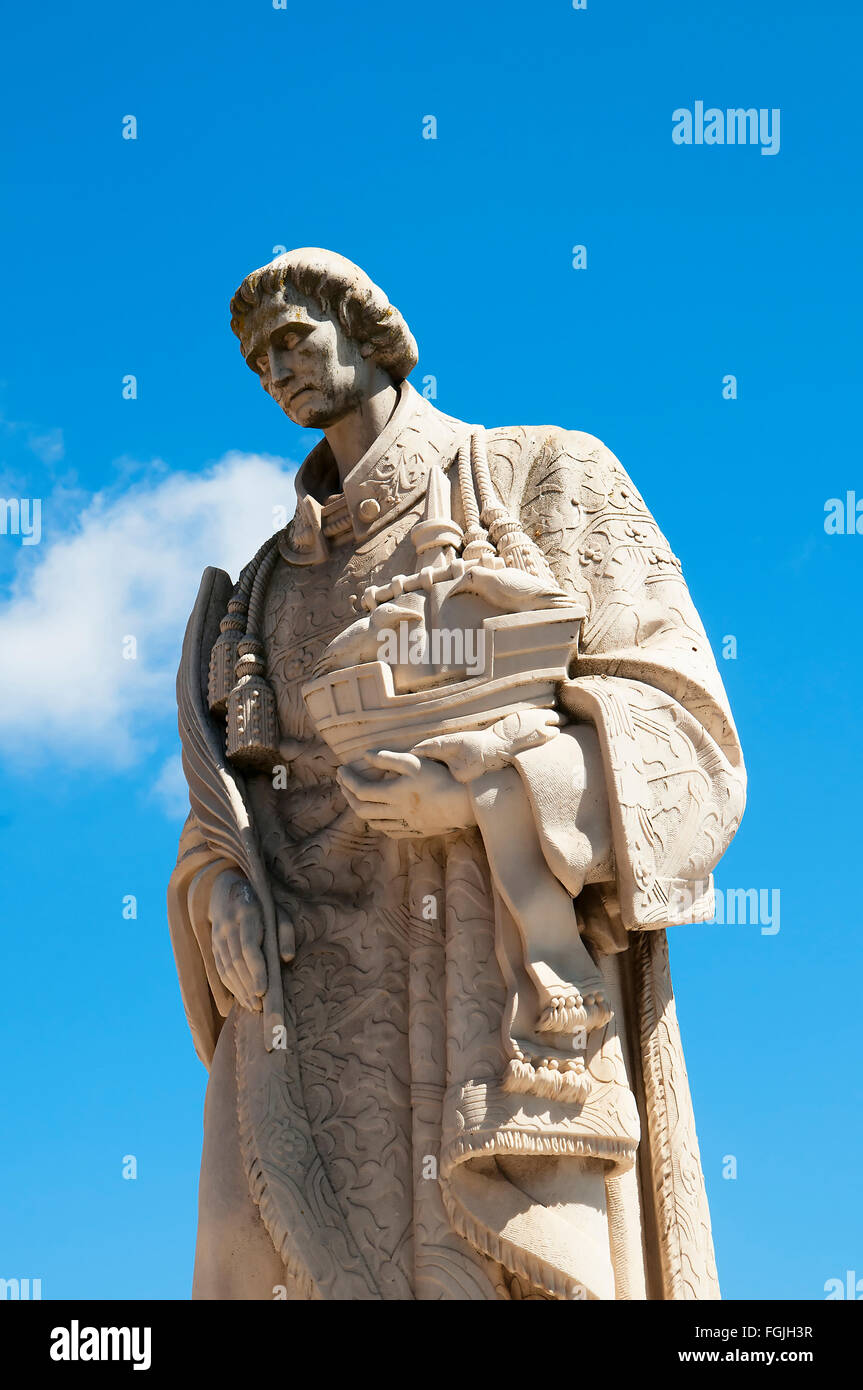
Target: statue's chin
<point x="316" y="419"/>
<point x="320" y="411"/>
<point x="313" y="417"/>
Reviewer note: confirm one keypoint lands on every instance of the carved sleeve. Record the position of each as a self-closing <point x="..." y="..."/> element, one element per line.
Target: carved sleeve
<point x="644" y="675"/>
<point x="206" y="1000"/>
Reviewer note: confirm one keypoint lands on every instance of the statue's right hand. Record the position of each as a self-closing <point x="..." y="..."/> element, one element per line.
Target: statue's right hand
<point x="238" y="933"/>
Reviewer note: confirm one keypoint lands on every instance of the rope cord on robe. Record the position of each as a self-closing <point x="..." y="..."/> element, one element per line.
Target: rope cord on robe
<point x="223" y="657"/>
<point x="515" y="548"/>
<point x="238" y="686"/>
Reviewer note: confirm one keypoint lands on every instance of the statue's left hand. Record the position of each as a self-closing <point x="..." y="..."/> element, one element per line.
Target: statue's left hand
<point x="421" y="799"/>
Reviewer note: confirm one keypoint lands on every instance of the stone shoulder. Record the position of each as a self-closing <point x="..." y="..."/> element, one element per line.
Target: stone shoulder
<point x="524" y="458"/>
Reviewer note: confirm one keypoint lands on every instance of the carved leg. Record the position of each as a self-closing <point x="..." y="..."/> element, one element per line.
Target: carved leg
<point x="569" y="985"/>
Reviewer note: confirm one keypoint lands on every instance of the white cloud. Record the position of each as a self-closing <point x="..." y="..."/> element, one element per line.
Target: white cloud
<point x="130" y="566"/>
<point x="48" y="447"/>
<point x="47" y="444"/>
<point x="170" y="790"/>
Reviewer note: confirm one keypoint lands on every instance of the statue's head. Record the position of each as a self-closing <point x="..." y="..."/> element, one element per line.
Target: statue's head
<point x="320" y="334"/>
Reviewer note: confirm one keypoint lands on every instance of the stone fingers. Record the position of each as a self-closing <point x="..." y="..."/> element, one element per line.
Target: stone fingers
<point x="240" y="961"/>
<point x="362" y="788"/>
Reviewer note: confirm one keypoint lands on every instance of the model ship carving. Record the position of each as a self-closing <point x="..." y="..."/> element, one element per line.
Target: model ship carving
<point x="479" y="631"/>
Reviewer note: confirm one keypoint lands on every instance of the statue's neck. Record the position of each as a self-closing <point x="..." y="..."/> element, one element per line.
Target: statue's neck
<point x="352" y="436"/>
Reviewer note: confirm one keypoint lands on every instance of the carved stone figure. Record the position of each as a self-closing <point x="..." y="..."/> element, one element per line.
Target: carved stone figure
<point x="458" y="753"/>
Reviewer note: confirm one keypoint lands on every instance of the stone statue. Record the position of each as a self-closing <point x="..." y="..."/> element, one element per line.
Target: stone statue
<point x="458" y="753"/>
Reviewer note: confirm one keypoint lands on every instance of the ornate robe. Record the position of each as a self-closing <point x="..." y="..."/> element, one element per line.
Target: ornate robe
<point x="380" y="1154"/>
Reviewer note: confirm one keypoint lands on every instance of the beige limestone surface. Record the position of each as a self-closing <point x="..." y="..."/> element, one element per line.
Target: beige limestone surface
<point x="458" y="753"/>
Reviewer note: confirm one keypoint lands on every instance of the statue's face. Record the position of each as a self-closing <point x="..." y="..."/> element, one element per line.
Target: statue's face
<point x="306" y="362"/>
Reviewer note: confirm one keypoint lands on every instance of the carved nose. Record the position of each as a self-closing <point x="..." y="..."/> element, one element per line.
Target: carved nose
<point x="279" y="369"/>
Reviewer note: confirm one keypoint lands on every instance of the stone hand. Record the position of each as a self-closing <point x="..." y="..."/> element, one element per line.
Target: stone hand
<point x="237" y="936"/>
<point x="421" y="798"/>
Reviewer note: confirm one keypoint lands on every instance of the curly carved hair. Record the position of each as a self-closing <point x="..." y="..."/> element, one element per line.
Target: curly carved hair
<point x="339" y="287"/>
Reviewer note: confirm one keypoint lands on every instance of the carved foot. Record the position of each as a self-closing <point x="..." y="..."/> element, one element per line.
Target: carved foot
<point x="598" y="1010"/>
<point x="551" y="1077"/>
<point x="562" y="1013"/>
<point x="569" y="1011"/>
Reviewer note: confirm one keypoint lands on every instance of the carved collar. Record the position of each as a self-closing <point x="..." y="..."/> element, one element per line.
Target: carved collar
<point x="387" y="480"/>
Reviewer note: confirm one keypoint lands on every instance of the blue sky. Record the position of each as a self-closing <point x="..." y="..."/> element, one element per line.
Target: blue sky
<point x="259" y="128"/>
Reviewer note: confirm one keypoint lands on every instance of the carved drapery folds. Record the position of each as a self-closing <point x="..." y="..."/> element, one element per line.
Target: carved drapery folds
<point x="483" y="1093"/>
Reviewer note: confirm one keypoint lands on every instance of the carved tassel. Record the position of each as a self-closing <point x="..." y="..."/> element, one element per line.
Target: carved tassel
<point x="253" y="722"/>
<point x="515" y="548"/>
<point x="224" y="653"/>
<point x="223" y="656"/>
<point x="478" y="548"/>
<point x="253" y="726"/>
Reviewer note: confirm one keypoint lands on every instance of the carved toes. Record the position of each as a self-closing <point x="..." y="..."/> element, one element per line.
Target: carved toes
<point x="550" y="1077"/>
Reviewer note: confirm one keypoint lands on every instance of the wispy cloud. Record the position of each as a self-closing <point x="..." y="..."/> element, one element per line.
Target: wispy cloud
<point x="48" y="447"/>
<point x="47" y="444"/>
<point x="128" y="568"/>
<point x="170" y="791"/>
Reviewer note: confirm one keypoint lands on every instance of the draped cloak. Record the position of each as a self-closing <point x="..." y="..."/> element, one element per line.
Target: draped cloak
<point x="378" y="1155"/>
